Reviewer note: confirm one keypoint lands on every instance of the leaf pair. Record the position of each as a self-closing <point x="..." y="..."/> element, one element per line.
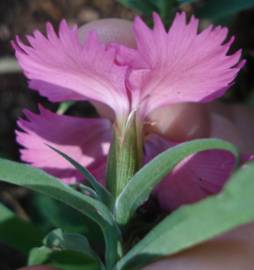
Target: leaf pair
<point x="193" y="224"/>
<point x="186" y="227"/>
<point x="141" y="185"/>
<point x="101" y="192"/>
<point x="37" y="180"/>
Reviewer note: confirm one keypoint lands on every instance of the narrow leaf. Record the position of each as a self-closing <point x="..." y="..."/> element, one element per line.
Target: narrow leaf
<point x="39" y="255"/>
<point x="193" y="224"/>
<point x="86" y="190"/>
<point x="54" y="214"/>
<point x="39" y="181"/>
<point x="143" y="182"/>
<point x="103" y="194"/>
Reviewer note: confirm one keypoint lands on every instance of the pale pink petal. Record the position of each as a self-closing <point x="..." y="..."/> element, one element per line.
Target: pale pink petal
<point x="85" y="140"/>
<point x="62" y="68"/>
<point x="194" y="178"/>
<point x="179" y="65"/>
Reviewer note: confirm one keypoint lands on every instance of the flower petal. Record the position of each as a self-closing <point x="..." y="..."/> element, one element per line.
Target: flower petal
<point x="180" y="65"/>
<point x="84" y="140"/>
<point x="194" y="178"/>
<point x="62" y="68"/>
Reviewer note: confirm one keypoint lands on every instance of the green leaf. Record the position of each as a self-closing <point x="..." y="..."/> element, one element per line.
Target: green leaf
<point x="193" y="224"/>
<point x="39" y="255"/>
<point x="62" y="259"/>
<point x="86" y="190"/>
<point x="39" y="181"/>
<point x="103" y="194"/>
<point x="143" y="182"/>
<point x="19" y="234"/>
<point x="52" y="213"/>
<point x="75" y="244"/>
<point x="72" y="260"/>
<point x="59" y="240"/>
<point x="218" y="9"/>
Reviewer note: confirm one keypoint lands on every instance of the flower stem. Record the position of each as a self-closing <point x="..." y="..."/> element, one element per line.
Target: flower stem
<point x="125" y="156"/>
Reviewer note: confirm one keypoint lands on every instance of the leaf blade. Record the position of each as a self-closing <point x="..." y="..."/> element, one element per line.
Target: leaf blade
<point x="37" y="180"/>
<point x="143" y="182"/>
<point x="193" y="224"/>
<point x="62" y="259"/>
<point x="58" y="240"/>
<point x="103" y="194"/>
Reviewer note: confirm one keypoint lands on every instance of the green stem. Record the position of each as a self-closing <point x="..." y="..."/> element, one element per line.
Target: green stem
<point x="125" y="156"/>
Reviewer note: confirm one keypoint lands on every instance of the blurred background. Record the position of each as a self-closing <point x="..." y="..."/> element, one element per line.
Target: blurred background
<point x="21" y="17"/>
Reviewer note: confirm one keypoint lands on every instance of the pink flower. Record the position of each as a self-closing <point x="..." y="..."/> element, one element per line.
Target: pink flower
<point x="166" y="67"/>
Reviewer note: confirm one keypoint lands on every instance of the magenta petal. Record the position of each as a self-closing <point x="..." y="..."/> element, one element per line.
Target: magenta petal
<point x="61" y="68"/>
<point x="194" y="178"/>
<point x="179" y="65"/>
<point x="85" y="140"/>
